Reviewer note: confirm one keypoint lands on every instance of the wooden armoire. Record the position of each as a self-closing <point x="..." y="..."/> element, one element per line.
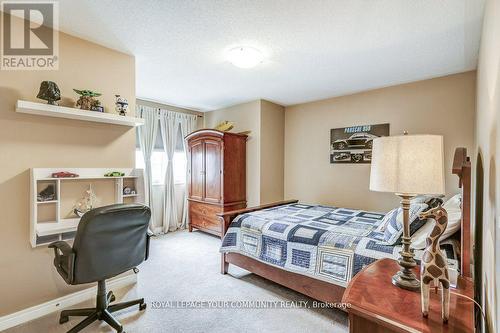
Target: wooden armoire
<point x="217" y="177"/>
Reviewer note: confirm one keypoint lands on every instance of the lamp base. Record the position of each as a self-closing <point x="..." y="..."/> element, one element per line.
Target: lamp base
<point x="405" y="278"/>
<point x="406" y="282"/>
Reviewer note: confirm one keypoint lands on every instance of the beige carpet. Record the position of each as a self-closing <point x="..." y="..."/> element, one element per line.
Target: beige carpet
<point x="185" y="267"/>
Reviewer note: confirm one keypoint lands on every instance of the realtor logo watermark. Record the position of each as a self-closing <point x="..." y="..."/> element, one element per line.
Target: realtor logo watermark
<point x="30" y="38"/>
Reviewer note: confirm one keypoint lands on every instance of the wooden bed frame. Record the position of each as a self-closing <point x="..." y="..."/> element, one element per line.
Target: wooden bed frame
<point x="328" y="292"/>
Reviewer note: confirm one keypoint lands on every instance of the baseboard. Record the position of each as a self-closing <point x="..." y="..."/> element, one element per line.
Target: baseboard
<point x="60" y="303"/>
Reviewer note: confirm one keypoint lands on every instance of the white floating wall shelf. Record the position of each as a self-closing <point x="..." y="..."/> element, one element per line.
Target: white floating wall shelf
<point x="48" y="110"/>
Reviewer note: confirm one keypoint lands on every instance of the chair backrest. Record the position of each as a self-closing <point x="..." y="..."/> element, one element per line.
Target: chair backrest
<point x="110" y="240"/>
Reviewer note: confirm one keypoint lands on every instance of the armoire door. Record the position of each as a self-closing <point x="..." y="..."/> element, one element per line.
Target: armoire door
<point x="197" y="172"/>
<point x="213" y="171"/>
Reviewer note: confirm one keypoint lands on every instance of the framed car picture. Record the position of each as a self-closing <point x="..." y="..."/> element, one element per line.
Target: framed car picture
<point x="354" y="144"/>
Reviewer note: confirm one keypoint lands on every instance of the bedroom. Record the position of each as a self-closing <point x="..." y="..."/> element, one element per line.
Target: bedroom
<point x="305" y="94"/>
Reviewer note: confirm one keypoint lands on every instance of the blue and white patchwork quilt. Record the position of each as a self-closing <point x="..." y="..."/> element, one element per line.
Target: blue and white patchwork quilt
<point x="326" y="243"/>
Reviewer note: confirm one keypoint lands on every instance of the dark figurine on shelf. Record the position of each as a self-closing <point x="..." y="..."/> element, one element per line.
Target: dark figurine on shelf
<point x="47" y="194"/>
<point x="49" y="91"/>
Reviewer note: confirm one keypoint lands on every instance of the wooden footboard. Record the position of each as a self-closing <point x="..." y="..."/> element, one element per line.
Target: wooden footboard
<point x="320" y="290"/>
<point x="228" y="217"/>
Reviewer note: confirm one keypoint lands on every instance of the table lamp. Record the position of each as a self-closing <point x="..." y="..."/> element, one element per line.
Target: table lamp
<point x="407" y="165"/>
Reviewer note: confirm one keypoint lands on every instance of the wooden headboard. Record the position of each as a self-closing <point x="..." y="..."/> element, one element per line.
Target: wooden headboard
<point x="462" y="168"/>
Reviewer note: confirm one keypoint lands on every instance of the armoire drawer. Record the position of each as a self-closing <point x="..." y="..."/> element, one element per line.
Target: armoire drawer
<point x="204" y="216"/>
<point x="205" y="222"/>
<point x="204" y="209"/>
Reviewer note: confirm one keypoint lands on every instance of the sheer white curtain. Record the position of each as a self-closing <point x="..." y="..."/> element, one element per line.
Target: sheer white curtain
<point x="147" y="135"/>
<point x="169" y="127"/>
<point x="187" y="126"/>
<point x="170" y="123"/>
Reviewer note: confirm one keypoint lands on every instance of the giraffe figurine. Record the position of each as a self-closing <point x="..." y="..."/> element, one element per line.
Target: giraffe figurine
<point x="434" y="266"/>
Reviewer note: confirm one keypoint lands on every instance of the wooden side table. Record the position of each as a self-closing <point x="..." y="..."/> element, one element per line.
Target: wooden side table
<point x="379" y="306"/>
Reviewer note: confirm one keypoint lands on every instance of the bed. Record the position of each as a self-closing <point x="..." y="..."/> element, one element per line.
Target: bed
<point x="316" y="250"/>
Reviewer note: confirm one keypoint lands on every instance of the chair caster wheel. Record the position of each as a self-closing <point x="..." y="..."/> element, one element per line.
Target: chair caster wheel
<point x="142" y="306"/>
<point x="63" y="320"/>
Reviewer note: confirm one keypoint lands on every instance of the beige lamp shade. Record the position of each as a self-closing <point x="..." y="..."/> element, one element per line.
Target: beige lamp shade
<point x="408" y="164"/>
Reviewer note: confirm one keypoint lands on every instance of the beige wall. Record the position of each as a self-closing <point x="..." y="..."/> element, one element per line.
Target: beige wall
<point x="439" y="106"/>
<point x="488" y="151"/>
<point x="272" y="154"/>
<point x="246" y="117"/>
<point x="265" y="149"/>
<point x="27" y="276"/>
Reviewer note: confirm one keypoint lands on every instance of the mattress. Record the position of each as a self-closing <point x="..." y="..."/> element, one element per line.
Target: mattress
<point x="326" y="243"/>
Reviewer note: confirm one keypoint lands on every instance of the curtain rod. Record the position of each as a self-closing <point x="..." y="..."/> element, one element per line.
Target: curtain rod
<point x="159" y="109"/>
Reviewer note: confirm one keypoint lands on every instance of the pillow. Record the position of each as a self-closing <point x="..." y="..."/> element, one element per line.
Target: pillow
<point x="394" y="228"/>
<point x="454" y="210"/>
<point x="420" y="199"/>
<point x="385" y="220"/>
<point x="431" y="200"/>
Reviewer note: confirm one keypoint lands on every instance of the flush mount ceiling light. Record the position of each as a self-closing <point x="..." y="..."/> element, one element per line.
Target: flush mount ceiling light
<point x="244" y="56"/>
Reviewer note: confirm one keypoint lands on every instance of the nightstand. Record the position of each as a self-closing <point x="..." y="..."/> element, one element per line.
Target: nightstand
<point x="379" y="306"/>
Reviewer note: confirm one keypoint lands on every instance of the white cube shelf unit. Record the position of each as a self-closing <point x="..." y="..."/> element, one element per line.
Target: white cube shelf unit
<point x="49" y="222"/>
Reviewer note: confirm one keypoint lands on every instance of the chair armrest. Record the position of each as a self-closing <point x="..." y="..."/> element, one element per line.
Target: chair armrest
<point x="149" y="234"/>
<point x="62" y="246"/>
<point x="64" y="259"/>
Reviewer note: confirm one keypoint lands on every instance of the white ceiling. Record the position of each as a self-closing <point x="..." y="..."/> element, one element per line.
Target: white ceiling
<point x="315" y="49"/>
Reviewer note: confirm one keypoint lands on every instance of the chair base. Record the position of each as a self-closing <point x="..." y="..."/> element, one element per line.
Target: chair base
<point x="102" y="311"/>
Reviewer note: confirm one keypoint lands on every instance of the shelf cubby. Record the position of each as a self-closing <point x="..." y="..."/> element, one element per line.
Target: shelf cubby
<point x="54" y="219"/>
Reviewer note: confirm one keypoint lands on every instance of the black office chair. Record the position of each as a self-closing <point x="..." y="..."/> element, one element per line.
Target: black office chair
<point x="109" y="241"/>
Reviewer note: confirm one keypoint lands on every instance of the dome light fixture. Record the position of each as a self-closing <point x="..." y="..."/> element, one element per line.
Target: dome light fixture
<point x="244" y="56"/>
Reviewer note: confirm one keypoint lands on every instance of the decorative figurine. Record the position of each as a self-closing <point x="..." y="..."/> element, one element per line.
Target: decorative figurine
<point x="49" y="91"/>
<point x="87" y="100"/>
<point x="46" y="194"/>
<point x="64" y="174"/>
<point x="127" y="190"/>
<point x="86" y="203"/>
<point x="225" y="126"/>
<point x="434" y="266"/>
<point x="121" y="105"/>
<point x="114" y="174"/>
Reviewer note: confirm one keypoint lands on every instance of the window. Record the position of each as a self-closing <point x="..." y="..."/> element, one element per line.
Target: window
<point x="159" y="164"/>
<point x="159" y="160"/>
